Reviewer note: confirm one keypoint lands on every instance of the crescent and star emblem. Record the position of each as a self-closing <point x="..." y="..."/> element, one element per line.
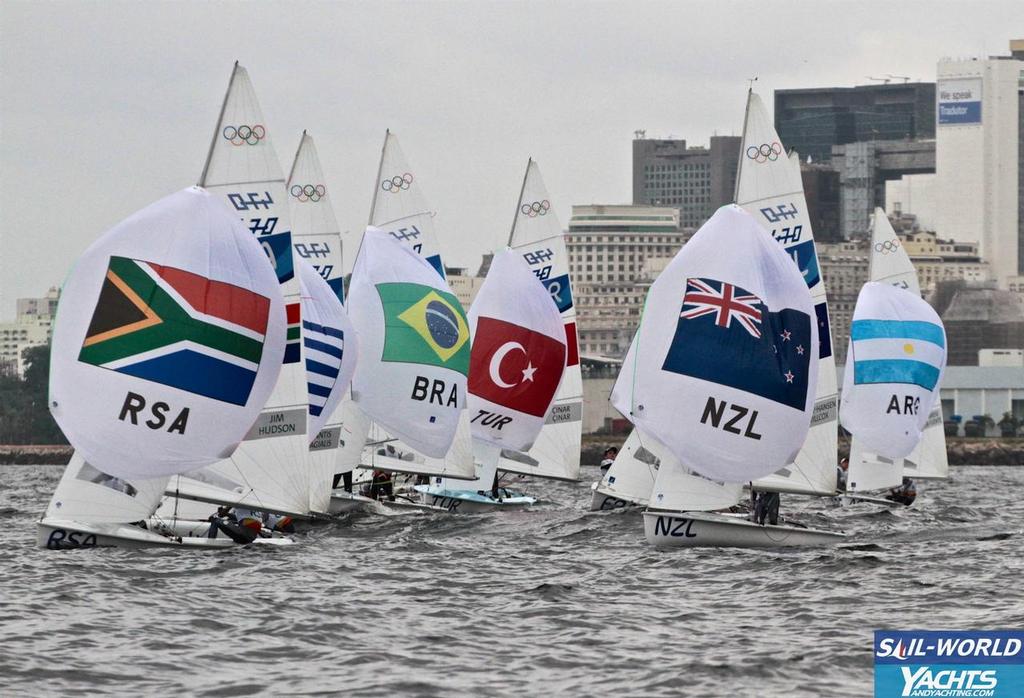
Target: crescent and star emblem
<point x="499" y="355"/>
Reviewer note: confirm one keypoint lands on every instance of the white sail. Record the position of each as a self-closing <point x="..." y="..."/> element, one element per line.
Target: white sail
<point x="411" y="374"/>
<point x="517" y="358"/>
<point x="896" y="358"/>
<point x="678" y="489"/>
<point x="871" y="471"/>
<point x="889" y="263"/>
<point x="723" y="368"/>
<point x="167" y="340"/>
<point x="87" y="495"/>
<point x="538" y="237"/>
<point x="631" y="476"/>
<point x="399" y="207"/>
<point x="769" y="187"/>
<point x="382" y="452"/>
<point x="272" y="466"/>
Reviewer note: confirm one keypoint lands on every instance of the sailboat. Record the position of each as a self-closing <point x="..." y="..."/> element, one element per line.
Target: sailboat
<point x="273" y="470"/>
<point x="517" y="362"/>
<point x="400" y="211"/>
<point x="889" y="263"/>
<point x="770" y="188"/>
<point x="537" y="236"/>
<point x="165" y="349"/>
<point x="630" y="479"/>
<point x="720" y="373"/>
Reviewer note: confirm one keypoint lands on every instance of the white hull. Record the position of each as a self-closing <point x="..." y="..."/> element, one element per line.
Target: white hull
<point x="59" y="535"/>
<point x="693" y="529"/>
<point x="469" y="501"/>
<point x="343" y="502"/>
<point x="607" y="502"/>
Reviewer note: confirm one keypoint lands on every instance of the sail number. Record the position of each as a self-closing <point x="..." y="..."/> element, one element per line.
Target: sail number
<point x="671" y="526"/>
<point x="59" y="538"/>
<point x="449" y="503"/>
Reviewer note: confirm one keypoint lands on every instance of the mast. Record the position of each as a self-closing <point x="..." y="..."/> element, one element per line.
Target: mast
<point x="743" y="137"/>
<point x="515" y="216"/>
<point x="217" y="126"/>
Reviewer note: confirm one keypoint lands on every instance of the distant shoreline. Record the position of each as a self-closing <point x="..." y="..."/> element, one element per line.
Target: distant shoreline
<point x="961" y="450"/>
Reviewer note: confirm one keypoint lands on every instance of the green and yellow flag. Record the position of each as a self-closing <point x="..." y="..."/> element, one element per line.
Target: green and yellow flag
<point x="424" y="326"/>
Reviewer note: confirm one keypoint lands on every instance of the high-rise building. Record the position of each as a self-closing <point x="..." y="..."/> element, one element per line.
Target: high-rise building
<point x="978" y="186"/>
<point x="611" y="249"/>
<point x="695" y="180"/>
<point x="32" y="326"/>
<point x="981" y="316"/>
<point x="815" y="119"/>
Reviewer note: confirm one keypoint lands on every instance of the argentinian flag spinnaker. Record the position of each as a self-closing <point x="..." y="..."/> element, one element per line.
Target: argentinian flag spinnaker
<point x="895" y="362"/>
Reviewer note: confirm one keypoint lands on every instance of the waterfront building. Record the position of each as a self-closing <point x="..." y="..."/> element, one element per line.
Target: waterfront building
<point x="32" y="326"/>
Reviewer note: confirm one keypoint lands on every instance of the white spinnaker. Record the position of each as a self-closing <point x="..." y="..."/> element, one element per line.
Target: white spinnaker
<point x="87" y="495"/>
<point x="330" y="349"/>
<point x="518" y="355"/>
<point x="399" y="207"/>
<point x="538" y="237"/>
<point x="889" y="263"/>
<point x="769" y="187"/>
<point x="411" y="374"/>
<point x="175" y="291"/>
<point x="747" y="356"/>
<point x="272" y="465"/>
<point x="896" y="359"/>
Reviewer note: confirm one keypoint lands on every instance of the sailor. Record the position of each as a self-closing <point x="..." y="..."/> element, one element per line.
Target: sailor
<point x="841" y="472"/>
<point x="609" y="457"/>
<point x="905" y="494"/>
<point x="767" y="507"/>
<point x="241" y="531"/>
<point x="381" y="485"/>
<point x="281" y="524"/>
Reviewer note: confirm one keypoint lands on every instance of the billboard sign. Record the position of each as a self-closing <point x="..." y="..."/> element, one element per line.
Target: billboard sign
<point x="959" y="101"/>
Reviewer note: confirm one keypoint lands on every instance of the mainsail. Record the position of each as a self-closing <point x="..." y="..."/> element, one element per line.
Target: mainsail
<point x="168" y="340"/>
<point x="538" y="237"/>
<point x="271" y="468"/>
<point x="889" y="263"/>
<point x="87" y="495"/>
<point x="316" y="240"/>
<point x="769" y="187"/>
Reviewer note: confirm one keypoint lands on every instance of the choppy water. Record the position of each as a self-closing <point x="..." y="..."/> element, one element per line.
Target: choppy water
<point x="554" y="601"/>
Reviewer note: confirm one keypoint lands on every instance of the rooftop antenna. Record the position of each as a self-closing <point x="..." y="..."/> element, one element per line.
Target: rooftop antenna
<point x="640" y="134"/>
<point x="750" y="83"/>
<point x="884" y="81"/>
<point x="904" y="78"/>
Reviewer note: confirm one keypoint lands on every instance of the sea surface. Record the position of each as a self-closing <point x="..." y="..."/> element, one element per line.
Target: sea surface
<point x="557" y="601"/>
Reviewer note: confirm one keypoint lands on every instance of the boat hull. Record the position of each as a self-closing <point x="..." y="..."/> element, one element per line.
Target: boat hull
<point x="343" y="502"/>
<point x="65" y="535"/>
<point x="599" y="501"/>
<point x="469" y="501"/>
<point x="691" y="529"/>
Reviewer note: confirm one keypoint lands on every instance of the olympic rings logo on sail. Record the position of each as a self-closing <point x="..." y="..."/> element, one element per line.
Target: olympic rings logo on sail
<point x="397" y="183"/>
<point x="536" y="208"/>
<point x="308" y="192"/>
<point x="765" y="152"/>
<point x="239" y="135"/>
<point x="887" y="246"/>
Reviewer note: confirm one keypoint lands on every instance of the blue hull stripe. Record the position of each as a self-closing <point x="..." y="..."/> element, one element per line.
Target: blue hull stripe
<point x="895" y="371"/>
<point x="897" y="329"/>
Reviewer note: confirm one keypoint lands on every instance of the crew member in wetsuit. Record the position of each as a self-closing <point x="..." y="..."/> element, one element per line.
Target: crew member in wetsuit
<point x="609" y="457"/>
<point x="242" y="532"/>
<point x="382" y="485"/>
<point x="766" y="506"/>
<point x="904" y="494"/>
<point x="841" y="472"/>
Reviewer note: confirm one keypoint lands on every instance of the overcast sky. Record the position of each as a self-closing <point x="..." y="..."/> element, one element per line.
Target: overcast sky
<point x="107" y="106"/>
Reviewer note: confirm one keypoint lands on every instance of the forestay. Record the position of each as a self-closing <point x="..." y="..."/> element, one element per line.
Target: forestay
<point x="889" y="263"/>
<point x="415" y="344"/>
<point x="538" y="237"/>
<point x="271" y="468"/>
<point x="399" y="207"/>
<point x="168" y="340"/>
<point x="769" y="187"/>
<point x="895" y="362"/>
<point x="517" y="357"/>
<point x="722" y="370"/>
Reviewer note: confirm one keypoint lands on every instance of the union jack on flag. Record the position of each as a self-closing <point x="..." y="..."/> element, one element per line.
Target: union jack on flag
<point x="703" y="298"/>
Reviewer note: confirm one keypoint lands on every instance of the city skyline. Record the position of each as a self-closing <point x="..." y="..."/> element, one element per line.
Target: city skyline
<point x="94" y="130"/>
